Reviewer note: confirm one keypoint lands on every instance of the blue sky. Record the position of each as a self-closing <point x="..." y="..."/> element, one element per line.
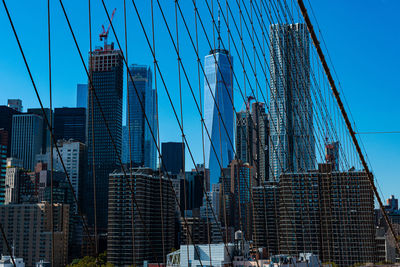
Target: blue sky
<point x="362" y="37"/>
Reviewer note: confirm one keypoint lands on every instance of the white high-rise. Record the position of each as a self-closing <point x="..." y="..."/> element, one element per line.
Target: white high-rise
<point x="292" y="145"/>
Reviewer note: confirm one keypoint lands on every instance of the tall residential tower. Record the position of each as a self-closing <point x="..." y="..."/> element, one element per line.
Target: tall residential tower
<point x="292" y="146"/>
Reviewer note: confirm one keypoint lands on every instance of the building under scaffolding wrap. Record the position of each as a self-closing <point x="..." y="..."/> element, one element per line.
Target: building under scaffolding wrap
<point x="328" y="213"/>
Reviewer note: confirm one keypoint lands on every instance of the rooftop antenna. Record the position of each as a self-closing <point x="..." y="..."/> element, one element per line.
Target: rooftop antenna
<point x="219" y="26"/>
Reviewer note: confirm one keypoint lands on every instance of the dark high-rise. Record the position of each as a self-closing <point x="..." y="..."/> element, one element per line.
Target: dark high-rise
<point x="173" y="157"/>
<point x="107" y="76"/>
<point x="70" y="123"/>
<point x="46" y="137"/>
<point x="6" y="115"/>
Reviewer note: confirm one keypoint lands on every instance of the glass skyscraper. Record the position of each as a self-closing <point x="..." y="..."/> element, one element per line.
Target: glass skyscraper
<point x="292" y="146"/>
<point x="82" y="95"/>
<point x="219" y="81"/>
<point x="143" y="148"/>
<point x="107" y="76"/>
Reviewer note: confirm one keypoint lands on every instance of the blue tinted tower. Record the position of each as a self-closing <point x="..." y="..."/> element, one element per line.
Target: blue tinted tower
<point x="81" y="95"/>
<point x="143" y="149"/>
<point x="218" y="81"/>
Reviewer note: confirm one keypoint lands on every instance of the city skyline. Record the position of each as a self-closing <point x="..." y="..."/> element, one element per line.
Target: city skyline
<point x="379" y="147"/>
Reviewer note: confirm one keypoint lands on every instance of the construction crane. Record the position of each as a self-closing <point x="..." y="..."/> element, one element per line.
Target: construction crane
<point x="104" y="33"/>
<point x="249" y="98"/>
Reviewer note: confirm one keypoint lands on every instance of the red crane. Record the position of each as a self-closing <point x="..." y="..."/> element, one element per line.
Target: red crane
<point x="104" y="33"/>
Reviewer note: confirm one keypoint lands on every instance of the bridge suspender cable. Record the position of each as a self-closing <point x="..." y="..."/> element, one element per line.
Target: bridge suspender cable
<point x="346" y="118"/>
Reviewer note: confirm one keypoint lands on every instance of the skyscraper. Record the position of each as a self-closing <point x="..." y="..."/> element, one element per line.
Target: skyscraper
<point x="82" y="95"/>
<point x="107" y="76"/>
<point x="218" y="83"/>
<point x="27" y="138"/>
<point x="143" y="149"/>
<point x="252" y="134"/>
<point x="70" y="123"/>
<point x="46" y="132"/>
<point x="6" y="114"/>
<point x="15" y="104"/>
<point x="173" y="157"/>
<point x="292" y="146"/>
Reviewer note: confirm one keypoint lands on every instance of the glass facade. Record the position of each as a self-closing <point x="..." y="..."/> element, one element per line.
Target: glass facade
<point x="81" y="95"/>
<point x="292" y="146"/>
<point x="218" y="81"/>
<point x="143" y="148"/>
<point x="70" y="123"/>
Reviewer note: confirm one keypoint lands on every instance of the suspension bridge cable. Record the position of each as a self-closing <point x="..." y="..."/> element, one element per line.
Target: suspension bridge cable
<point x="44" y="113"/>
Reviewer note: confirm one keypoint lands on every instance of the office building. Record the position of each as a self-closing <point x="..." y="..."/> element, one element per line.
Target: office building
<point x="82" y="95"/>
<point x="15" y="104"/>
<point x="242" y="182"/>
<point x="328" y="213"/>
<point x="3" y="163"/>
<point x="107" y="76"/>
<point x="20" y="185"/>
<point x="70" y="123"/>
<point x="6" y="115"/>
<point x="218" y="85"/>
<point x="143" y="147"/>
<point x="28" y="226"/>
<point x="292" y="146"/>
<point x="152" y="204"/>
<point x="192" y="190"/>
<point x="173" y="157"/>
<point x="46" y="132"/>
<point x="125" y="145"/>
<point x="266" y="215"/>
<point x="252" y="134"/>
<point x="27" y="138"/>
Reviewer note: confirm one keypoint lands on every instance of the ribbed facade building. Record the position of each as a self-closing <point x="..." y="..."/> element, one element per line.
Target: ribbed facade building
<point x="218" y="86"/>
<point x="292" y="146"/>
<point x="153" y="218"/>
<point x="6" y="114"/>
<point x="329" y="213"/>
<point x="143" y="147"/>
<point x="70" y="123"/>
<point x="27" y="138"/>
<point x="106" y="71"/>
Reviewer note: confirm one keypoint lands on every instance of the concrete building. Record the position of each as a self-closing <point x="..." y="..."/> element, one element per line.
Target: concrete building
<point x="15" y="104"/>
<point x="106" y="68"/>
<point x="28" y="226"/>
<point x="147" y="186"/>
<point x="74" y="156"/>
<point x="15" y="175"/>
<point x="27" y="138"/>
<point x="328" y="213"/>
<point x="218" y="85"/>
<point x="292" y="146"/>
